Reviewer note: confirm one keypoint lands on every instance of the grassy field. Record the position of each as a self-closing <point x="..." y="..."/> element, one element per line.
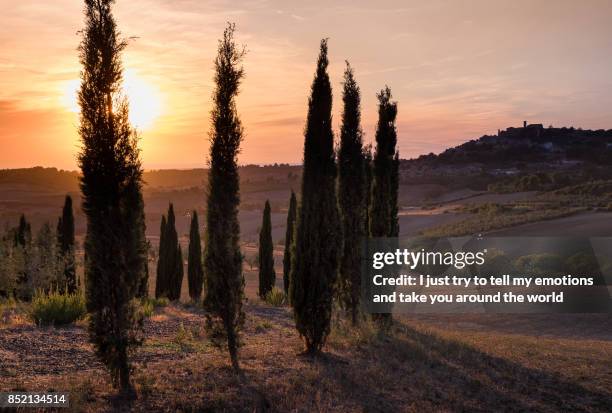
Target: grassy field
<point x="427" y="363"/>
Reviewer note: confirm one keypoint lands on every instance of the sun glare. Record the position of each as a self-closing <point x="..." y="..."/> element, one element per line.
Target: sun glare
<point x="144" y="99"/>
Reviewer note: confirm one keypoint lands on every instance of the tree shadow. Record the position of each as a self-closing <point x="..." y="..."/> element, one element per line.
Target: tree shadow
<point x="413" y="370"/>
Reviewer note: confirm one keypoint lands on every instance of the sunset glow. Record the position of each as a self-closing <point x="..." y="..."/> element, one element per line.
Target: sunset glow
<point x="144" y="100"/>
<point x="454" y="69"/>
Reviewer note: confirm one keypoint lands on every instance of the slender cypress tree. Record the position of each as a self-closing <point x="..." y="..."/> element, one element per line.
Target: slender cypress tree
<point x="111" y="186"/>
<point x="369" y="177"/>
<point x="22" y="239"/>
<point x="177" y="281"/>
<point x="23" y="232"/>
<point x="161" y="284"/>
<point x="289" y="241"/>
<point x="224" y="281"/>
<point x="169" y="265"/>
<point x="195" y="272"/>
<point x="174" y="265"/>
<point x="65" y="244"/>
<point x="383" y="209"/>
<point x="351" y="194"/>
<point x="317" y="240"/>
<point x="267" y="276"/>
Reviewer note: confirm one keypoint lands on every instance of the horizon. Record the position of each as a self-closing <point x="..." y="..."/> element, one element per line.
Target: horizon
<point x="452" y="68"/>
<point x="154" y="168"/>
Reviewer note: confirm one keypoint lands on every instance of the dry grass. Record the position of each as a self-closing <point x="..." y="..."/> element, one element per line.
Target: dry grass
<point x="425" y="364"/>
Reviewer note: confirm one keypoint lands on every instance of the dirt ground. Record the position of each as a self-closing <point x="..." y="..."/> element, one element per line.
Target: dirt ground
<point x="472" y="363"/>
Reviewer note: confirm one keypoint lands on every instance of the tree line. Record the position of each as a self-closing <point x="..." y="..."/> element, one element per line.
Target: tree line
<point x="43" y="262"/>
<point x="345" y="195"/>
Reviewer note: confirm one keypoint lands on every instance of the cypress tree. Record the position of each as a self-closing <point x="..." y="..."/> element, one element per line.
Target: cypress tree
<point x="289" y="241"/>
<point x="267" y="276"/>
<point x="368" y="178"/>
<point x="23" y="232"/>
<point x="383" y="209"/>
<point x="174" y="267"/>
<point x="177" y="281"/>
<point x="22" y="239"/>
<point x="161" y="284"/>
<point x="65" y="243"/>
<point x="317" y="245"/>
<point x="222" y="258"/>
<point x="195" y="272"/>
<point x="351" y="194"/>
<point x="111" y="186"/>
<point x="169" y="264"/>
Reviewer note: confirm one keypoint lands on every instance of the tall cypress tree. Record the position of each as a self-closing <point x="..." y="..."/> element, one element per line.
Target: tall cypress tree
<point x="65" y="244"/>
<point x="351" y="188"/>
<point x="317" y="239"/>
<point x="368" y="178"/>
<point x="161" y="283"/>
<point x="383" y="209"/>
<point x="224" y="281"/>
<point x="195" y="272"/>
<point x="267" y="276"/>
<point x="111" y="186"/>
<point x="289" y="241"/>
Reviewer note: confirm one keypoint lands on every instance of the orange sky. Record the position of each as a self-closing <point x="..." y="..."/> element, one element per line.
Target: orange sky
<point x="459" y="69"/>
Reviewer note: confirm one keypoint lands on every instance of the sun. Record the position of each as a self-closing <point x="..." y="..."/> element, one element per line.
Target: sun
<point x="144" y="99"/>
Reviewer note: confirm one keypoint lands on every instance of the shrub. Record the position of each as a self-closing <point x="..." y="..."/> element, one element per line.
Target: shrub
<point x="57" y="308"/>
<point x="148" y="305"/>
<point x="276" y="297"/>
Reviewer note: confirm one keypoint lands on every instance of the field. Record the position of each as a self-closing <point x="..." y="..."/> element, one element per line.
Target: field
<point x="428" y="363"/>
<point x="468" y="362"/>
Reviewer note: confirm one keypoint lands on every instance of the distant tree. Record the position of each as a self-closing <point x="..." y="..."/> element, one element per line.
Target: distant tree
<point x="178" y="274"/>
<point x="195" y="272"/>
<point x="383" y="208"/>
<point x="317" y="239"/>
<point x="224" y="281"/>
<point x="351" y="196"/>
<point x="161" y="283"/>
<point x="22" y="239"/>
<point x="111" y="186"/>
<point x="368" y="178"/>
<point x="289" y="241"/>
<point x="267" y="276"/>
<point x="169" y="266"/>
<point x="65" y="243"/>
<point x="44" y="271"/>
<point x="142" y="291"/>
<point x="23" y="232"/>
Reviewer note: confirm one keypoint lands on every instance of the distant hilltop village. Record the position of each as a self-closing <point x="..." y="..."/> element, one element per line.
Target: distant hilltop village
<point x="531" y="147"/>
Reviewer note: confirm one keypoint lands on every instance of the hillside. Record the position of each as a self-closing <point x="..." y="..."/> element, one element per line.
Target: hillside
<point x="477" y="363"/>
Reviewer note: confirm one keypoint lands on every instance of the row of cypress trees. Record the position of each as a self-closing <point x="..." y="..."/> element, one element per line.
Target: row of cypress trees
<point x="115" y="246"/>
<point x="323" y="253"/>
<point x="41" y="262"/>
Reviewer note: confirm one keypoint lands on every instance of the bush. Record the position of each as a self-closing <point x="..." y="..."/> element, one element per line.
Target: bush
<point x="57" y="308"/>
<point x="148" y="305"/>
<point x="276" y="297"/>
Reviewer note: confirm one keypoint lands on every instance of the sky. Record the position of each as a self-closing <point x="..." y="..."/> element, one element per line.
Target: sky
<point x="458" y="70"/>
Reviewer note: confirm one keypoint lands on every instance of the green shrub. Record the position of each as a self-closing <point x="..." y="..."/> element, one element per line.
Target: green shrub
<point x="57" y="308"/>
<point x="148" y="305"/>
<point x="276" y="297"/>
